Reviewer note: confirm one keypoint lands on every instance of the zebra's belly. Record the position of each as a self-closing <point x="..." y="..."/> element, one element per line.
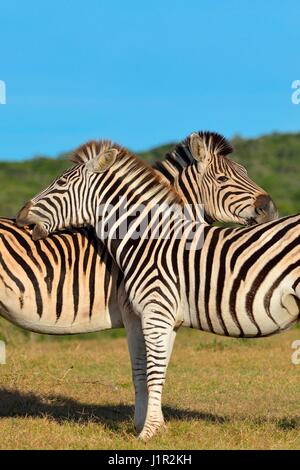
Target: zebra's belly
<point x="249" y="317"/>
<point x="21" y="311"/>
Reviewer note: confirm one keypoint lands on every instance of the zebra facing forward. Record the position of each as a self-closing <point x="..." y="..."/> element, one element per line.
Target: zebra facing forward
<point x="49" y="286"/>
<point x="234" y="282"/>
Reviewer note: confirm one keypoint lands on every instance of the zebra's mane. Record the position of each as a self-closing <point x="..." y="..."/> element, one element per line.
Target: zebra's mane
<point x="181" y="156"/>
<point x="90" y="150"/>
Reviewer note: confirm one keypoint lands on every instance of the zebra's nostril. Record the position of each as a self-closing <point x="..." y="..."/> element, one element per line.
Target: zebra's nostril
<point x="263" y="202"/>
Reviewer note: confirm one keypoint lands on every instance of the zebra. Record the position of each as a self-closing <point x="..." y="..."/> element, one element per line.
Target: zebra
<point x="224" y="189"/>
<point x="49" y="286"/>
<point x="234" y="282"/>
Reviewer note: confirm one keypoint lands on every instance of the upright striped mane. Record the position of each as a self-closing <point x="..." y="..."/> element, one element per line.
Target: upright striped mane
<point x="181" y="156"/>
<point x="92" y="149"/>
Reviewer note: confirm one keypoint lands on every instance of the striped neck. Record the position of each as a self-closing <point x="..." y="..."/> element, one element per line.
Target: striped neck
<point x="142" y="208"/>
<point x="175" y="162"/>
<point x="180" y="170"/>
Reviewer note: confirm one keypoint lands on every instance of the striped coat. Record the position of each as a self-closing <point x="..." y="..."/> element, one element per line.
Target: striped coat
<point x="235" y="282"/>
<point x="69" y="283"/>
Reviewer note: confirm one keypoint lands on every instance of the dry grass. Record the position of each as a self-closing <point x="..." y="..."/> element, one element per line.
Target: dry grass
<point x="220" y="393"/>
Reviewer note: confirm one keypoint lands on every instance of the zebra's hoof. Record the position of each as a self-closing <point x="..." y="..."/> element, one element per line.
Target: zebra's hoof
<point x="145" y="435"/>
<point x="149" y="431"/>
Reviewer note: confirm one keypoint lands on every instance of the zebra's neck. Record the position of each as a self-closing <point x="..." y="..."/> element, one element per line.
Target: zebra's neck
<point x="145" y="212"/>
<point x="175" y="162"/>
<point x="180" y="170"/>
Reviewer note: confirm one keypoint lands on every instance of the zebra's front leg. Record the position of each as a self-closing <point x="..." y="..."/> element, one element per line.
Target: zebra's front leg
<point x="159" y="339"/>
<point x="137" y="351"/>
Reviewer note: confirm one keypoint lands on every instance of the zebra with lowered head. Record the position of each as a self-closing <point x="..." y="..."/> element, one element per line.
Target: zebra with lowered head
<point x="234" y="282"/>
<point x="69" y="283"/>
<point x="49" y="286"/>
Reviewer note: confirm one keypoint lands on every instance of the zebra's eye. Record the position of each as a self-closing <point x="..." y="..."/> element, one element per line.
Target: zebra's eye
<point x="61" y="182"/>
<point x="222" y="179"/>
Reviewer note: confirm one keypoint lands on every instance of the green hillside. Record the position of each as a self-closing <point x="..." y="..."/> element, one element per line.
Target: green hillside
<point x="273" y="161"/>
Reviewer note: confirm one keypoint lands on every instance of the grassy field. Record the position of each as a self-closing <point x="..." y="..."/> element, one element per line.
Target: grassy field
<point x="220" y="394"/>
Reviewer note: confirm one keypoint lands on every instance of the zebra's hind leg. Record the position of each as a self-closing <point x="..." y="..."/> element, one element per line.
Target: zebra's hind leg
<point x="159" y="339"/>
<point x="137" y="351"/>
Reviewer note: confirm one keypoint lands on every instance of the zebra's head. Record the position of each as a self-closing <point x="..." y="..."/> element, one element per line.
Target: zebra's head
<point x="222" y="185"/>
<point x="105" y="182"/>
<point x="66" y="202"/>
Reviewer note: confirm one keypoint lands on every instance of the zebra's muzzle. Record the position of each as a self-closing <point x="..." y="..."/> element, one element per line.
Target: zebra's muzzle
<point x="25" y="218"/>
<point x="39" y="232"/>
<point x="251" y="221"/>
<point x="265" y="209"/>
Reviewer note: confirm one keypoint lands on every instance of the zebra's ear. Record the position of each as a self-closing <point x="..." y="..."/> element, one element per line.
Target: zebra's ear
<point x="103" y="161"/>
<point x="198" y="149"/>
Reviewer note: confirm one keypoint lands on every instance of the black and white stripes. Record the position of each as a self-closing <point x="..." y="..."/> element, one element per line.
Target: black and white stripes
<point x="222" y="287"/>
<point x="56" y="278"/>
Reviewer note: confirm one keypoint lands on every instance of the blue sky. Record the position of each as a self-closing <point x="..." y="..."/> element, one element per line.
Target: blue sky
<point x="144" y="73"/>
